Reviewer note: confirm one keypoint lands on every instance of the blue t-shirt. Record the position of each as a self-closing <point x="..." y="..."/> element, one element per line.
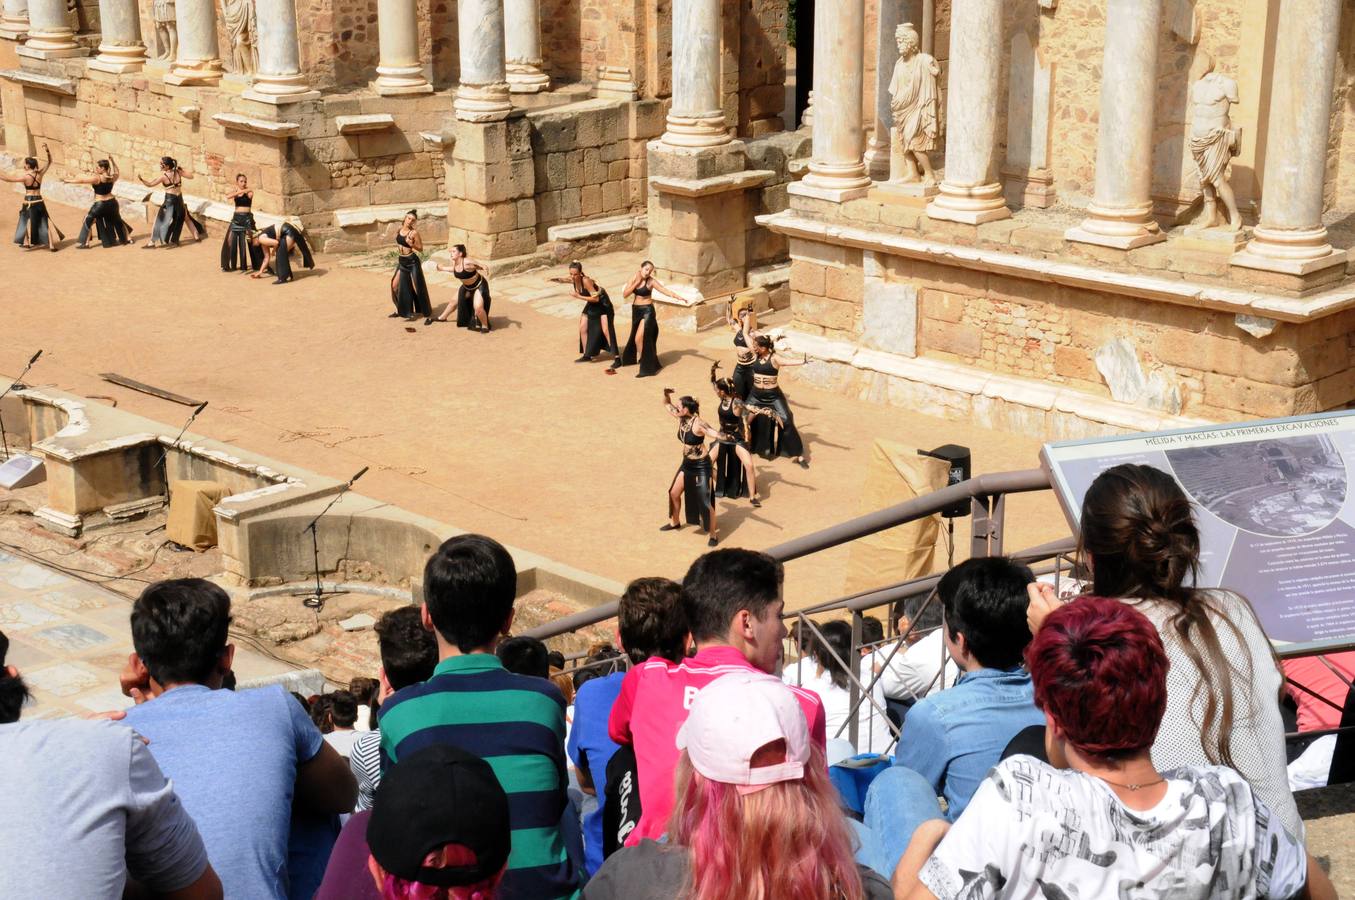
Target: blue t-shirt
<point x="233" y="758"/>
<point x="591" y="749"/>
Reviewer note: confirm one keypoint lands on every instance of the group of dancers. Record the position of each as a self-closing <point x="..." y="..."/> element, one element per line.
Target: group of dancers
<point x="597" y="319"/>
<point x="409" y="289"/>
<point x="245" y="247"/>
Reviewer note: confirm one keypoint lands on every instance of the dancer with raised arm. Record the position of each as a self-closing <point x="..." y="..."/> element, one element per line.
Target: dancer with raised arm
<point x="472" y="297"/>
<point x="743" y="320"/>
<point x="643" y="344"/>
<point x="103" y="216"/>
<point x="409" y="291"/>
<point x="777" y="436"/>
<point x="35" y="226"/>
<point x="693" y="479"/>
<point x="235" y="246"/>
<point x="173" y="215"/>
<point x="271" y="248"/>
<point x="597" y="321"/>
<point x="735" y="470"/>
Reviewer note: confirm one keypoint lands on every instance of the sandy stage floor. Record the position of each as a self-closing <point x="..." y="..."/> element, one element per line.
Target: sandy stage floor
<point x="500" y="433"/>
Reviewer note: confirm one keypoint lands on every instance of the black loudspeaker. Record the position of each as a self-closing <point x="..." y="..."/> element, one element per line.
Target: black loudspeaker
<point x="960" y="462"/>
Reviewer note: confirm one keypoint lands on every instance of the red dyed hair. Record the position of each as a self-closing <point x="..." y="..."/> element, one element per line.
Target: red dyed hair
<point x="788" y="841"/>
<point x="1099" y="669"/>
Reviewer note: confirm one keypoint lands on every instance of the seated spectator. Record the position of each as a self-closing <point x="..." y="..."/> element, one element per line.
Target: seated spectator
<point x="952" y="738"/>
<point x="556" y="672"/>
<point x="367" y="692"/>
<point x="602" y="660"/>
<point x="343" y="715"/>
<point x="1103" y="821"/>
<point x="516" y="722"/>
<point x="237" y="758"/>
<point x="918" y="668"/>
<point x="756" y="817"/>
<point x="650" y="624"/>
<point x="1140" y="543"/>
<point x="733" y="604"/>
<point x="832" y="682"/>
<point x="439" y="830"/>
<point x="524" y="656"/>
<point x="409" y="653"/>
<point x="319" y="708"/>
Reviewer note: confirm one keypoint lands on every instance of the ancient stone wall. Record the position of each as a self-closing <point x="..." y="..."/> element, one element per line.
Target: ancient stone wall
<point x="762" y="67"/>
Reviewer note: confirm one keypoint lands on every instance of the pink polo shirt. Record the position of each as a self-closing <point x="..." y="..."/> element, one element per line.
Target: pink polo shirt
<point x="652" y="706"/>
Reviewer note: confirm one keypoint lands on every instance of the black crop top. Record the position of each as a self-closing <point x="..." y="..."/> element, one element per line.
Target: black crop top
<point x="103" y="188"/>
<point x="644" y="291"/>
<point x="244" y="200"/>
<point x="464" y="275"/>
<point x="400" y="239"/>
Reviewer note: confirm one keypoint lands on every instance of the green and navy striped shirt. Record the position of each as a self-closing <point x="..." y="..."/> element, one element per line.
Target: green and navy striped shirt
<point x="516" y="723"/>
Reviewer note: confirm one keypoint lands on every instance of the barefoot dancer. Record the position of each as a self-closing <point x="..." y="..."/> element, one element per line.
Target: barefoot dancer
<point x="103" y="216"/>
<point x="735" y="471"/>
<point x="35" y="226"/>
<point x="173" y="215"/>
<point x="271" y="249"/>
<point x="236" y="244"/>
<point x="743" y="320"/>
<point x="409" y="292"/>
<point x="777" y="437"/>
<point x="472" y="298"/>
<point x="644" y="323"/>
<point x="693" y="479"/>
<point x="597" y="329"/>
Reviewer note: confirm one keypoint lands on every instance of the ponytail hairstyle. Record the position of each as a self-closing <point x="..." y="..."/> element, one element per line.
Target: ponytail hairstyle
<point x="1139" y="539"/>
<point x="459" y="248"/>
<point x="13" y="691"/>
<point x="723" y="386"/>
<point x="691" y="404"/>
<point x="576" y="266"/>
<point x="102" y="165"/>
<point x="764" y="342"/>
<point x="169" y="162"/>
<point x="31" y="162"/>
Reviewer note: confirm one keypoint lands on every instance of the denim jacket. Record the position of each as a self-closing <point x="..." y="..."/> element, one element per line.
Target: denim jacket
<point x="952" y="738"/>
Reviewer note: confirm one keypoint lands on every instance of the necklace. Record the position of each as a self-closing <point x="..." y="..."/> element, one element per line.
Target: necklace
<point x="1131" y="787"/>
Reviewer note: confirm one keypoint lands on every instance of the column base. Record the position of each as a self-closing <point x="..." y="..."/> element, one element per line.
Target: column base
<point x="1292" y="251"/>
<point x="834" y="182"/>
<point x="527" y="78"/>
<point x="1125" y="228"/>
<point x="706" y="130"/>
<point x="38" y="48"/>
<point x="395" y="81"/>
<point x="13" y="29"/>
<point x="1248" y="259"/>
<point x="969" y="205"/>
<point x="482" y="102"/>
<point x="804" y="188"/>
<point x="207" y="72"/>
<point x="877" y="160"/>
<point x="117" y="60"/>
<point x="280" y="90"/>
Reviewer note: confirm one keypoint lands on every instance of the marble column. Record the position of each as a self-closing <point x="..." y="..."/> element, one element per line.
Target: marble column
<point x="1120" y="214"/>
<point x="199" y="59"/>
<point x="970" y="191"/>
<point x="50" y="35"/>
<point x="522" y="46"/>
<point x="1290" y="237"/>
<point x="278" y="78"/>
<point x="397" y="28"/>
<point x="482" y="95"/>
<point x="891" y="15"/>
<point x="120" y="48"/>
<point x="836" y="171"/>
<point x="14" y="20"/>
<point x="696" y="117"/>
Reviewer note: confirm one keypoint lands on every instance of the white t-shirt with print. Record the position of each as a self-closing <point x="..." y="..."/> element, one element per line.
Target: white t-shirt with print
<point x="1033" y="831"/>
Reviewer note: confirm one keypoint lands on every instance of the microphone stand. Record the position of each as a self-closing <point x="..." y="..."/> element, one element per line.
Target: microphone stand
<point x="316" y="600"/>
<point x="4" y="438"/>
<point x="197" y="412"/>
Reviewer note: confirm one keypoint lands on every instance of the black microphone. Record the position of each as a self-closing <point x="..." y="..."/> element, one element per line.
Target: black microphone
<point x="35" y="357"/>
<point x="354" y="479"/>
<point x="201" y="406"/>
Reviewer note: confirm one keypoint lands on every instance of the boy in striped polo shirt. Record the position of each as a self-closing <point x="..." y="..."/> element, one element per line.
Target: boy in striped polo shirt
<point x="515" y="723"/>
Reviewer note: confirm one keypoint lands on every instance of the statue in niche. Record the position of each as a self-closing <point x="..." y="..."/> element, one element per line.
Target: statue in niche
<point x="166" y="30"/>
<point x="1214" y="142"/>
<point x="242" y="29"/>
<point x="914" y="103"/>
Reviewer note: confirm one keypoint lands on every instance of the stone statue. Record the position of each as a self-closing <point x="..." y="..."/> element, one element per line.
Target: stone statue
<point x="166" y="31"/>
<point x="914" y="103"/>
<point x="1213" y="143"/>
<point x="242" y="28"/>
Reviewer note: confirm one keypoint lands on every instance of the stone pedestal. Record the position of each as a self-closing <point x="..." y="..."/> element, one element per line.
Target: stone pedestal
<point x="199" y="59"/>
<point x="278" y="79"/>
<point x="120" y="48"/>
<point x="905" y="193"/>
<point x="14" y="20"/>
<point x="399" y="71"/>
<point x="50" y="35"/>
<point x="482" y="95"/>
<point x="616" y="83"/>
<point x="836" y="170"/>
<point x="696" y="117"/>
<point x="522" y="47"/>
<point x="491" y="185"/>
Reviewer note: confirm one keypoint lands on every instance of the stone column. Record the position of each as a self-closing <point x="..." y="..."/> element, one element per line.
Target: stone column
<point x="522" y="46"/>
<point x="50" y="35"/>
<point x="836" y="171"/>
<point x="14" y="20"/>
<point x="892" y="14"/>
<point x="121" y="48"/>
<point x="696" y="117"/>
<point x="399" y="71"/>
<point x="482" y="95"/>
<point x="1290" y="237"/>
<point x="278" y="79"/>
<point x="1120" y="214"/>
<point x="199" y="59"/>
<point x="970" y="191"/>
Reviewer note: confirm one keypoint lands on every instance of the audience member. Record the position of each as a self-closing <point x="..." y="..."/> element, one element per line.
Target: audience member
<point x="831" y="680"/>
<point x="343" y="715"/>
<point x="439" y="830"/>
<point x="733" y="604"/>
<point x="953" y="737"/>
<point x="13" y="692"/>
<point x="1140" y="543"/>
<point x="918" y="668"/>
<point x="409" y="652"/>
<point x="517" y="722"/>
<point x="602" y="660"/>
<point x="319" y="709"/>
<point x="1102" y="821"/>
<point x="650" y="624"/>
<point x="524" y="656"/>
<point x="563" y="680"/>
<point x="367" y="691"/>
<point x="756" y="817"/>
<point x="237" y="758"/>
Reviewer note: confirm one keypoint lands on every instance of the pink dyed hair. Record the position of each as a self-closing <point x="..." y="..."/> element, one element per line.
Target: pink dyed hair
<point x="395" y="888"/>
<point x="788" y="841"/>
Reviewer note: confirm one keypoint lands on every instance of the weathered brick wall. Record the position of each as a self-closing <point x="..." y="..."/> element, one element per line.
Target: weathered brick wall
<point x="762" y="67"/>
<point x="338" y="41"/>
<point x="562" y="30"/>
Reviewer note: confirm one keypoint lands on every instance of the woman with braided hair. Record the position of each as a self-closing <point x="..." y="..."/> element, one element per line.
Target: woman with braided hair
<point x="36" y="228"/>
<point x="735" y="471"/>
<point x="104" y="217"/>
<point x="693" y="479"/>
<point x="776" y="435"/>
<point x="173" y="215"/>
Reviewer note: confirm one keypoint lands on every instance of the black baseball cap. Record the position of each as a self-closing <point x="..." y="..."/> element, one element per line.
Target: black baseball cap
<point x="437" y="796"/>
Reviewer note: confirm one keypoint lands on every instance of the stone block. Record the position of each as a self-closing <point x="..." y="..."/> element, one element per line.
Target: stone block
<point x="695" y="164"/>
<point x="965" y="341"/>
<point x="889" y="318"/>
<point x="829" y="314"/>
<point x="574" y="168"/>
<point x="613" y="197"/>
<point x="570" y="206"/>
<point x="1197" y="262"/>
<point x="808" y="277"/>
<point x="1254" y="398"/>
<point x="385" y="143"/>
<point x="406" y="191"/>
<point x="1044" y="238"/>
<point x="1336" y="391"/>
<point x="999" y="232"/>
<point x="590" y="199"/>
<point x="943" y="305"/>
<point x="480" y="143"/>
<point x="1023" y="291"/>
<point x="844" y="284"/>
<point x="899" y="216"/>
<point x="864" y="210"/>
<point x="554" y="132"/>
<point x="646" y="118"/>
<point x="1076" y="363"/>
<point x="594" y="171"/>
<point x="481" y="218"/>
<point x="617" y="170"/>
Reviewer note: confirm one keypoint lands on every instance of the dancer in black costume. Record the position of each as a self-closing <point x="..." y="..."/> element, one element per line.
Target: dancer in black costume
<point x="271" y="248"/>
<point x="472" y="297"/>
<point x="644" y="323"/>
<point x="743" y="320"/>
<point x="35" y="227"/>
<point x="776" y="437"/>
<point x="235" y="246"/>
<point x="173" y="215"/>
<point x="597" y="321"/>
<point x="104" y="216"/>
<point x="735" y="470"/>
<point x="409" y="292"/>
<point x="693" y="482"/>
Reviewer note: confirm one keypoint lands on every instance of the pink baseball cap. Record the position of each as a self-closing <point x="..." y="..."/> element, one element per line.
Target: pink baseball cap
<point x="735" y="716"/>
